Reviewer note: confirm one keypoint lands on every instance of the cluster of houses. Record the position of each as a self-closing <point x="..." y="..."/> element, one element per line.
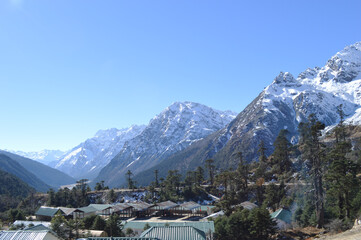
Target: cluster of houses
<point x="126" y="210"/>
<point x="182" y="220"/>
<point x="193" y="224"/>
<point x="153" y="233"/>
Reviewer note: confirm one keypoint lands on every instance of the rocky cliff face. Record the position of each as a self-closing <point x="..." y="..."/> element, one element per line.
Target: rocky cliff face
<point x="173" y="130"/>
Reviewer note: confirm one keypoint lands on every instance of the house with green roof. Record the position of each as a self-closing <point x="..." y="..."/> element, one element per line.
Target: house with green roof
<point x="138" y="226"/>
<point x="174" y="233"/>
<point x="47" y="213"/>
<point x="95" y="209"/>
<point x="283" y="217"/>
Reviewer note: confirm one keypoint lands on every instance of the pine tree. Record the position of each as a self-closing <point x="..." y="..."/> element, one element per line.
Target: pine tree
<point x="210" y="166"/>
<point x="262" y="165"/>
<point x="130" y="182"/>
<point x="342" y="170"/>
<point x="199" y="175"/>
<point x="313" y="153"/>
<point x="281" y="159"/>
<point x="99" y="223"/>
<point x="113" y="226"/>
<point x="156" y="182"/>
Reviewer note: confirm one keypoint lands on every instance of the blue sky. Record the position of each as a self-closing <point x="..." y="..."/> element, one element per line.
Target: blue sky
<point x="69" y="68"/>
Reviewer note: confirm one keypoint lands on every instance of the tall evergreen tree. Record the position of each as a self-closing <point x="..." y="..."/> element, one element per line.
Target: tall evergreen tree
<point x="210" y="166"/>
<point x="313" y="153"/>
<point x="156" y="181"/>
<point x="130" y="182"/>
<point x="281" y="159"/>
<point x="342" y="172"/>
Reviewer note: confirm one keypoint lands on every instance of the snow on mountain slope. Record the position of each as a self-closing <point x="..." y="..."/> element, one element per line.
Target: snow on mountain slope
<point x="44" y="156"/>
<point x="89" y="157"/>
<point x="282" y="105"/>
<point x="177" y="127"/>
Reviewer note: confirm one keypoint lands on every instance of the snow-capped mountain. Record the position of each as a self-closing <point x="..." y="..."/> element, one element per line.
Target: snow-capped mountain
<point x="44" y="156"/>
<point x="173" y="130"/>
<point x="89" y="157"/>
<point x="282" y="105"/>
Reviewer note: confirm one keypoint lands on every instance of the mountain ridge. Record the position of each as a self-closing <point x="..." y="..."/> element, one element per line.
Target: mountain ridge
<point x="172" y="130"/>
<point x="86" y="159"/>
<point x="282" y="105"/>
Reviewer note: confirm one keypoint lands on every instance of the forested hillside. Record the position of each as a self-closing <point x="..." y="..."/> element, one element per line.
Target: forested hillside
<point x="12" y="190"/>
<point x="11" y="166"/>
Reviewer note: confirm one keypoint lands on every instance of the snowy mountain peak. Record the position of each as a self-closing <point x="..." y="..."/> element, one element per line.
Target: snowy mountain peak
<point x="344" y="66"/>
<point x="284" y="78"/>
<point x="89" y="157"/>
<point x="174" y="129"/>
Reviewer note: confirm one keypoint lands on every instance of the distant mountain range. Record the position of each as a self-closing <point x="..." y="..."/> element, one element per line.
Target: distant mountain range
<point x="45" y="156"/>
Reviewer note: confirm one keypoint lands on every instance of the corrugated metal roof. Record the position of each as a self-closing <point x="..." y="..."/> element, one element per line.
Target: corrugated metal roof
<point x="190" y="205"/>
<point x="24" y="235"/>
<point x="174" y="233"/>
<point x="100" y="207"/>
<point x="121" y="207"/>
<point x="47" y="211"/>
<point x="166" y="205"/>
<point x="87" y="209"/>
<point x="206" y="226"/>
<point x="141" y="206"/>
<point x="67" y="211"/>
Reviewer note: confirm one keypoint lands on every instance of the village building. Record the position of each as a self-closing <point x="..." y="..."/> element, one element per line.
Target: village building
<point x="141" y="209"/>
<point x="29" y="234"/>
<point x="174" y="233"/>
<point x="167" y="208"/>
<point x="94" y="209"/>
<point x="138" y="226"/>
<point x="123" y="210"/>
<point x="283" y="218"/>
<point x="190" y="208"/>
<point x="47" y="213"/>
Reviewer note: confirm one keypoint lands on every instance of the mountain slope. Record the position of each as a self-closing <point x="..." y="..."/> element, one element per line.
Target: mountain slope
<point x="11" y="166"/>
<point x="44" y="156"/>
<point x="89" y="157"/>
<point x="173" y="130"/>
<point x="50" y="176"/>
<point x="12" y="190"/>
<point x="282" y="105"/>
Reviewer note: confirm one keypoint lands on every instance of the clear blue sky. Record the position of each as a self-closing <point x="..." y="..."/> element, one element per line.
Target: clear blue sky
<point x="69" y="68"/>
